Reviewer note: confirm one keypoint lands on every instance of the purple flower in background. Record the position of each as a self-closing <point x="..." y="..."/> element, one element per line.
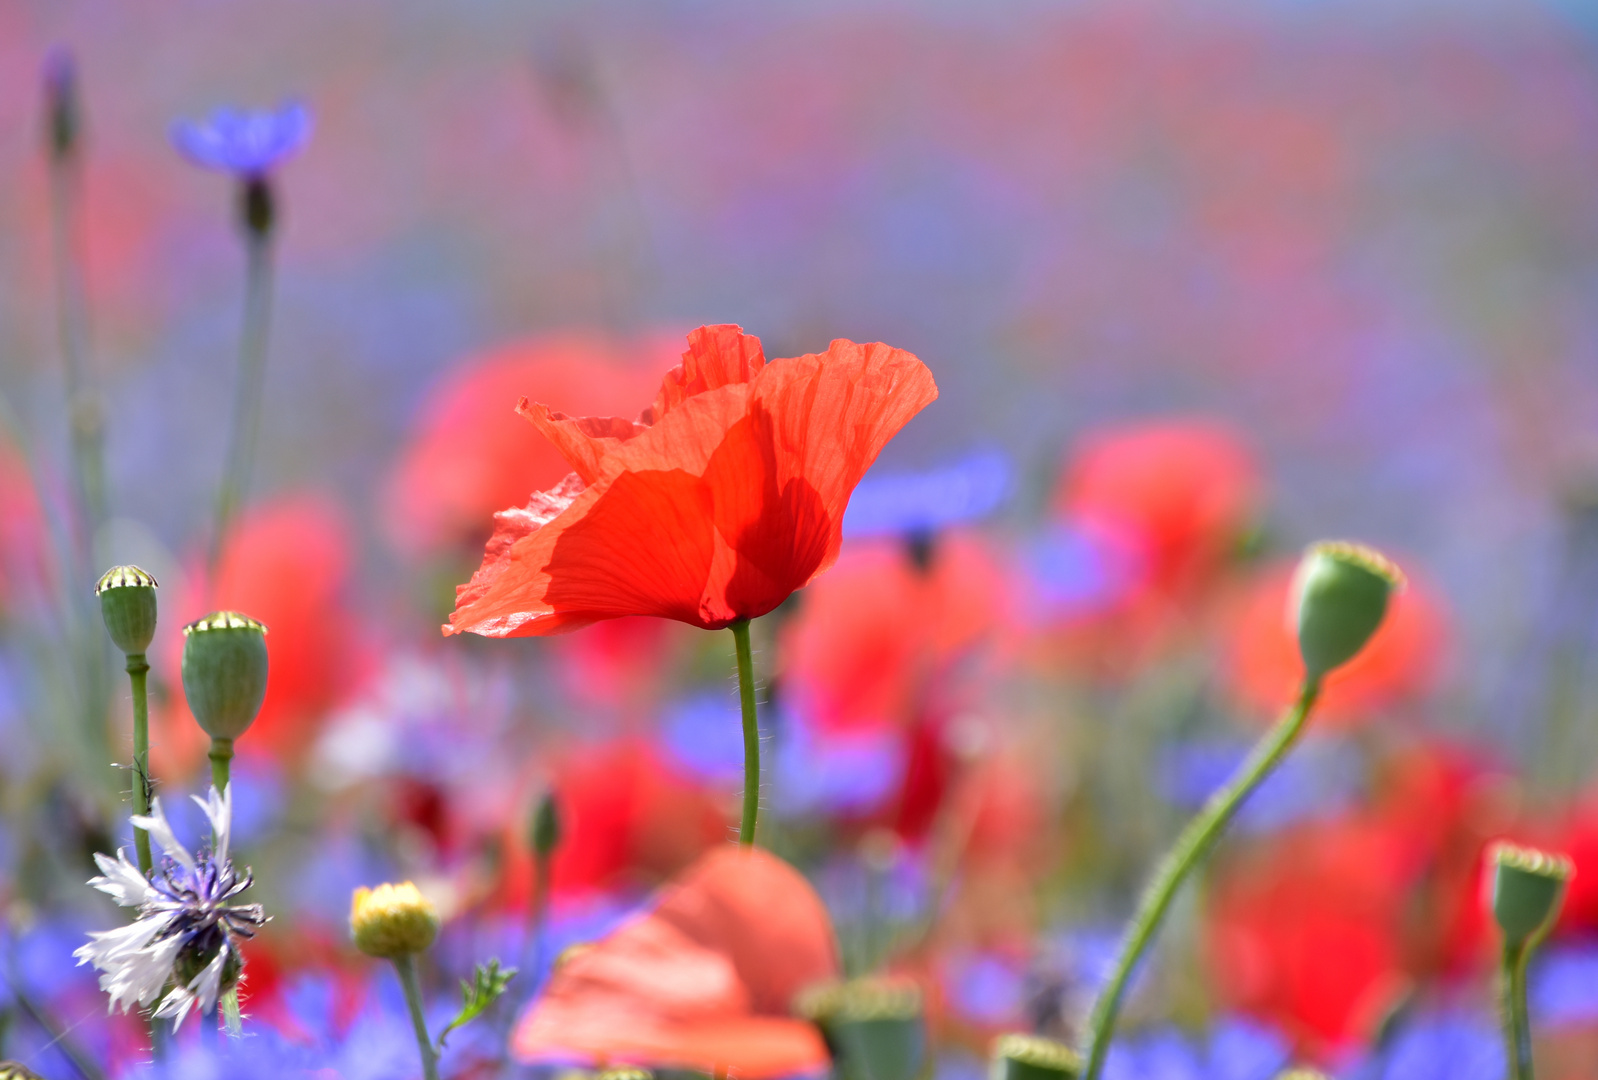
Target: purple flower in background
<point x="924" y="502"/>
<point x="244" y="143"/>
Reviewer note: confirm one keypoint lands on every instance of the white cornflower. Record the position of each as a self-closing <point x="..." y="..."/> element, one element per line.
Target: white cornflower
<point x="187" y="933"/>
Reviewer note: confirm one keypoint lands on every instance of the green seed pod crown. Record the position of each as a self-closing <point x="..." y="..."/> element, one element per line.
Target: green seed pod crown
<point x="1341" y="592"/>
<point x="873" y="1026"/>
<point x="127" y="601"/>
<point x="1032" y="1057"/>
<point x="1528" y="889"/>
<point x="224" y="672"/>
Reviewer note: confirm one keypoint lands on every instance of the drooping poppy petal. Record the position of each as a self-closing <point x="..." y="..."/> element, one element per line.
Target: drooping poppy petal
<point x="704" y="980"/>
<point x="722" y="499"/>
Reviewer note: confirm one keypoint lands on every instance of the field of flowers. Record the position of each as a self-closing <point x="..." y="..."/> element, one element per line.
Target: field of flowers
<point x="891" y="541"/>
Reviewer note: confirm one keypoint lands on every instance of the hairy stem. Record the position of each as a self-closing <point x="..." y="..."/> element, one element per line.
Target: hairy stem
<point x="1512" y="1006"/>
<point x="746" y="695"/>
<point x="1191" y="846"/>
<point x="406" y="966"/>
<point x="138" y="669"/>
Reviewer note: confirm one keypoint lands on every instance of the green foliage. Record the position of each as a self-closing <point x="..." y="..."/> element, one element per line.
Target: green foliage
<point x="488" y="983"/>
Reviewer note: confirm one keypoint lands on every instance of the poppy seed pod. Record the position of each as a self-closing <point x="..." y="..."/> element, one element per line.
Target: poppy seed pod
<point x="546" y="826"/>
<point x="127" y="602"/>
<point x="874" y="1027"/>
<point x="1528" y="889"/>
<point x="392" y="921"/>
<point x="1340" y="592"/>
<point x="1032" y="1057"/>
<point x="224" y="672"/>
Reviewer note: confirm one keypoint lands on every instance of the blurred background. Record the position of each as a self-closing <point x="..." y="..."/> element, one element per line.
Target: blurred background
<point x="1197" y="286"/>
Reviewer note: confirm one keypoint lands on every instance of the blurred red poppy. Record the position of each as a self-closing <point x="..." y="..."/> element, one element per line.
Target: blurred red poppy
<point x="1176" y="494"/>
<point x="1304" y="932"/>
<point x="704" y="980"/>
<point x="471" y="454"/>
<point x="716" y="504"/>
<point x="873" y="632"/>
<point x="286" y="563"/>
<point x="1402" y="661"/>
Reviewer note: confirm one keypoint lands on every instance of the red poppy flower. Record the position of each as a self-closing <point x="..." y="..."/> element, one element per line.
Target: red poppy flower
<point x="1402" y="661"/>
<point x="472" y="455"/>
<point x="1175" y="493"/>
<point x="704" y="980"/>
<point x="717" y="503"/>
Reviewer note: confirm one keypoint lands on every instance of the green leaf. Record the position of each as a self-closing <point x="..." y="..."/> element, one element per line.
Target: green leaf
<point x="488" y="983"/>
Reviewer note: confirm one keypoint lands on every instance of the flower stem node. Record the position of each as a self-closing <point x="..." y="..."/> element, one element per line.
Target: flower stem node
<point x="1341" y="591"/>
<point x="1032" y="1057"/>
<point x="1528" y="889"/>
<point x="873" y="1026"/>
<point x="127" y="602"/>
<point x="224" y="672"/>
<point x="392" y="921"/>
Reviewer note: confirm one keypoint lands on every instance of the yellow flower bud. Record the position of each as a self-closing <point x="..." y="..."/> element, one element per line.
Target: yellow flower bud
<point x="392" y="920"/>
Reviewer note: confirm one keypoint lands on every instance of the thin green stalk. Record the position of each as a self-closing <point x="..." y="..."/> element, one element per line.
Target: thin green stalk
<point x="246" y="422"/>
<point x="406" y="966"/>
<point x="1191" y="847"/>
<point x="138" y="669"/>
<point x="221" y="760"/>
<point x="1512" y="1006"/>
<point x="746" y="694"/>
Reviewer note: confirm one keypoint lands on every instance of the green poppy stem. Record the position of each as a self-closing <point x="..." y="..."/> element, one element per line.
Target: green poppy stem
<point x="1512" y="1006"/>
<point x="405" y="965"/>
<point x="221" y="762"/>
<point x="746" y="694"/>
<point x="138" y="669"/>
<point x="246" y="422"/>
<point x="1191" y="847"/>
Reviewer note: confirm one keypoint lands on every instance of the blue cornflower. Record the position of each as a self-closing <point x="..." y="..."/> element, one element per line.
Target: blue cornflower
<point x="188" y="931"/>
<point x="919" y="503"/>
<point x="244" y="143"/>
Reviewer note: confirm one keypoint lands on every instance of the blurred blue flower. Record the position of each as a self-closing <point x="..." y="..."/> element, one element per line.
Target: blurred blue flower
<point x="1077" y="571"/>
<point x="1452" y="1045"/>
<point x="1234" y="1049"/>
<point x="704" y="735"/>
<point x="986" y="988"/>
<point x="840" y="774"/>
<point x="910" y="503"/>
<point x="244" y="143"/>
<point x="1564" y="985"/>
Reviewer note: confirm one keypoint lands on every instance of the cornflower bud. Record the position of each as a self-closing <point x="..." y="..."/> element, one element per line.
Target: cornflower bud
<point x="873" y="1025"/>
<point x="1528" y="889"/>
<point x="127" y="602"/>
<point x="1340" y="592"/>
<point x="392" y="921"/>
<point x="1032" y="1057"/>
<point x="224" y="672"/>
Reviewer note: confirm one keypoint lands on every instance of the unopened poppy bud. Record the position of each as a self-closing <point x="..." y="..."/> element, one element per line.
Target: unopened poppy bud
<point x="1340" y="592"/>
<point x="127" y="602"/>
<point x="873" y="1025"/>
<point x="224" y="672"/>
<point x="62" y="123"/>
<point x="1528" y="888"/>
<point x="392" y="921"/>
<point x="546" y="826"/>
<point x="1032" y="1057"/>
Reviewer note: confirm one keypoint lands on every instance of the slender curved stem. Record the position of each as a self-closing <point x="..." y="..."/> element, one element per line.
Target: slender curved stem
<point x="746" y="694"/>
<point x="406" y="966"/>
<point x="247" y="396"/>
<point x="1191" y="846"/>
<point x="1512" y="1006"/>
<point x="138" y="668"/>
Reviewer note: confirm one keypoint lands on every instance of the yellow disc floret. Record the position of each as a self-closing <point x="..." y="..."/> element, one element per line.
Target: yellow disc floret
<point x="392" y="920"/>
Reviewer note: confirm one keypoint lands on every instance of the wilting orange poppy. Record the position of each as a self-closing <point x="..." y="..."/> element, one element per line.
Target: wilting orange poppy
<point x="704" y="980"/>
<point x="718" y="502"/>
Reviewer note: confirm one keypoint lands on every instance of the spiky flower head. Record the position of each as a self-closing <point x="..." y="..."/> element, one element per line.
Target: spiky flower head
<point x="188" y="930"/>
<point x="392" y="920"/>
